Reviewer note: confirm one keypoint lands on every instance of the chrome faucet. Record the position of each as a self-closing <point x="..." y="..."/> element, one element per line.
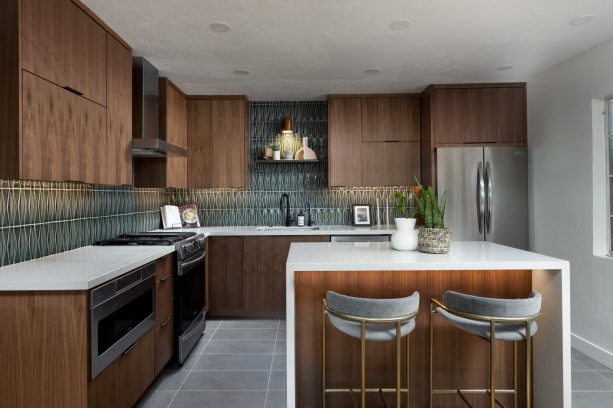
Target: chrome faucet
<point x="285" y="200"/>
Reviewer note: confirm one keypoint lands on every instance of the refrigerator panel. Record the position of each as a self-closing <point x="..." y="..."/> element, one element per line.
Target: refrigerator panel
<point x="457" y="173"/>
<point x="507" y="209"/>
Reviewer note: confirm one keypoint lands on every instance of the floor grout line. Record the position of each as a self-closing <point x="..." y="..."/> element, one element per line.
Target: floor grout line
<point x="192" y="368"/>
<point x="272" y="362"/>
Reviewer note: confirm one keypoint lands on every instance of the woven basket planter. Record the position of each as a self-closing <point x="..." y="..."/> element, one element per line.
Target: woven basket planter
<point x="434" y="240"/>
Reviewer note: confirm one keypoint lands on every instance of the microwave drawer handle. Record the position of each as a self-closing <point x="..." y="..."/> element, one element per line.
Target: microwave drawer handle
<point x="125" y="353"/>
<point x="165" y="278"/>
<point x="164" y="323"/>
<point x="190" y="263"/>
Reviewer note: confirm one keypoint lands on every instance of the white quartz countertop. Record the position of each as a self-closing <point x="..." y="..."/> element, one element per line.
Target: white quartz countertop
<point x="267" y="231"/>
<point x="464" y="255"/>
<point x="90" y="266"/>
<point x="79" y="269"/>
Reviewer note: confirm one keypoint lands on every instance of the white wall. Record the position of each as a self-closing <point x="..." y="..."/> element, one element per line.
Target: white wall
<point x="568" y="188"/>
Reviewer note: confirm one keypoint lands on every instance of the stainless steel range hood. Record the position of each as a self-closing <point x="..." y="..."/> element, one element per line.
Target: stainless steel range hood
<point x="146" y="141"/>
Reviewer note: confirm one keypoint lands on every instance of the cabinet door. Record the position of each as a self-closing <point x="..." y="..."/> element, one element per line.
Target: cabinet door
<point x="345" y="142"/>
<point x="173" y="126"/>
<point x="119" y="113"/>
<point x="504" y="115"/>
<point x="390" y="163"/>
<point x="225" y="276"/>
<point x="90" y="140"/>
<point x="140" y="362"/>
<point x="44" y="129"/>
<point x="85" y="56"/>
<point x="163" y="331"/>
<point x="457" y="116"/>
<point x="43" y="35"/>
<point x="217" y="139"/>
<point x="390" y="119"/>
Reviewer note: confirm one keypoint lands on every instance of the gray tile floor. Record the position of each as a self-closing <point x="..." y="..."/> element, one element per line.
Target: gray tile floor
<point x="237" y="363"/>
<point x="241" y="364"/>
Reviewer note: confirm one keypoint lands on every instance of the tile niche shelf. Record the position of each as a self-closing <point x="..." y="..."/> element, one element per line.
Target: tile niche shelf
<point x="286" y="161"/>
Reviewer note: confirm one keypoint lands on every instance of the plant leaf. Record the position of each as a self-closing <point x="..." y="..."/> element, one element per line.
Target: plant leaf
<point x="442" y="204"/>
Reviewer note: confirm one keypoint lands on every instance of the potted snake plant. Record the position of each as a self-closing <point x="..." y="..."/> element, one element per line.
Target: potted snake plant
<point x="433" y="237"/>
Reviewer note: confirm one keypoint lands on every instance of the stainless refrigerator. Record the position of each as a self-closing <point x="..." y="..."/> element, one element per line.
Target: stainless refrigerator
<point x="487" y="193"/>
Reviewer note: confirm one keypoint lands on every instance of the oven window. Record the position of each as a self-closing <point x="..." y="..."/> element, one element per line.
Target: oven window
<point x="119" y="323"/>
<point x="192" y="294"/>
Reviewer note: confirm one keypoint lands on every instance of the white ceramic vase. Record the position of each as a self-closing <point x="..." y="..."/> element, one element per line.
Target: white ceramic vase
<point x="405" y="236"/>
<point x="276" y="155"/>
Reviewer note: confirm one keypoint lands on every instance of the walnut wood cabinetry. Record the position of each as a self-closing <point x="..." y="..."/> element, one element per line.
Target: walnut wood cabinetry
<point x="246" y="275"/>
<point x="373" y="140"/>
<point x="57" y="80"/>
<point x="119" y="112"/>
<point x="217" y="134"/>
<point x="167" y="171"/>
<point x="471" y="114"/>
<point x="164" y="324"/>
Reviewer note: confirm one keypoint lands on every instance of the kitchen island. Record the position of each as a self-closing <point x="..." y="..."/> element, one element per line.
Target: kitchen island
<point x="376" y="270"/>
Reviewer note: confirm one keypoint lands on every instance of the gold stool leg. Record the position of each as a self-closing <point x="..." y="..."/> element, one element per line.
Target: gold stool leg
<point x="363" y="362"/>
<point x="323" y="360"/>
<point x="492" y="364"/>
<point x="528" y="365"/>
<point x="408" y="382"/>
<point x="431" y="340"/>
<point x="398" y="359"/>
<point x="516" y="393"/>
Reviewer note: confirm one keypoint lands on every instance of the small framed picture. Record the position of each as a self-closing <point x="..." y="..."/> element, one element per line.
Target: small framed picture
<point x="361" y="214"/>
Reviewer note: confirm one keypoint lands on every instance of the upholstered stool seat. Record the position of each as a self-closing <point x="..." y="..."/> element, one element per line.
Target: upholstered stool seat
<point x="503" y="319"/>
<point x="371" y="319"/>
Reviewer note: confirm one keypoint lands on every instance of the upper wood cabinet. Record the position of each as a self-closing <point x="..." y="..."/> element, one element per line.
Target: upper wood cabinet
<point x="471" y="114"/>
<point x="57" y="121"/>
<point x="217" y="136"/>
<point x="345" y="142"/>
<point x="64" y="45"/>
<point x="167" y="171"/>
<point x="477" y="114"/>
<point x="373" y="140"/>
<point x="390" y="119"/>
<point x="119" y="113"/>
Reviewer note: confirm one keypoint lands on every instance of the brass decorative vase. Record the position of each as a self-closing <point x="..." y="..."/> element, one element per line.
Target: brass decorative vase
<point x="434" y="240"/>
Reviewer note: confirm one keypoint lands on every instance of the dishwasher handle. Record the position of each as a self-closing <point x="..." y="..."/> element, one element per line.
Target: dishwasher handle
<point x="359" y="238"/>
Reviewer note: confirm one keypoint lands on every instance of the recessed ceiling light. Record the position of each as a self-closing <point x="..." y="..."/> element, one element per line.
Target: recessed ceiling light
<point x="505" y="68"/>
<point x="577" y="21"/>
<point x="241" y="72"/>
<point x="400" y="25"/>
<point x="220" y="27"/>
<point x="371" y="71"/>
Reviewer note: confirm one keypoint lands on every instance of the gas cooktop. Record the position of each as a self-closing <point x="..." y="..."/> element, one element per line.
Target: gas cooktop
<point x="148" y="238"/>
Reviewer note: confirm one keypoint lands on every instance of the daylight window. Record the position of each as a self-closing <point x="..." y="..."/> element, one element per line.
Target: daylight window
<point x="609" y="116"/>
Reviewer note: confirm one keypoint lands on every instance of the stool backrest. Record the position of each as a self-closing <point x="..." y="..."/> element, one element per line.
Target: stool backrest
<point x="510" y="308"/>
<point x="373" y="308"/>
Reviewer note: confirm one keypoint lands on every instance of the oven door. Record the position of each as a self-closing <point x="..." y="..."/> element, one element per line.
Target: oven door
<point x="118" y="323"/>
<point x="189" y="306"/>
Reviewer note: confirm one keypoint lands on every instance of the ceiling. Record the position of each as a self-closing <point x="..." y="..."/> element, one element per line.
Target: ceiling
<point x="306" y="49"/>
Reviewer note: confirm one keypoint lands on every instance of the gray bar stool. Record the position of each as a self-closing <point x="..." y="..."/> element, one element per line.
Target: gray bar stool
<point x="501" y="319"/>
<point x="371" y="319"/>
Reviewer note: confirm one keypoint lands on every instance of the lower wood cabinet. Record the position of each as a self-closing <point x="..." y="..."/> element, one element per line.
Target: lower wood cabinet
<point x="123" y="382"/>
<point x="246" y="275"/>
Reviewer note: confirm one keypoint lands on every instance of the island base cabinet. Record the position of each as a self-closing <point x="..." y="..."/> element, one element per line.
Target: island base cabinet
<point x="123" y="382"/>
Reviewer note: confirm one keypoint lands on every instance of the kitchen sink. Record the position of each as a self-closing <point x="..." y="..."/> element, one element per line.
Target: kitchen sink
<point x="282" y="228"/>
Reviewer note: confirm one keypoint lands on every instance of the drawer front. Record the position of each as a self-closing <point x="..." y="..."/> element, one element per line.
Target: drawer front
<point x="164" y="344"/>
<point x="163" y="299"/>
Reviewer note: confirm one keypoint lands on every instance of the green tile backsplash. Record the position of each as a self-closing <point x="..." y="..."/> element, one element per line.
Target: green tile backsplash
<point x="43" y="218"/>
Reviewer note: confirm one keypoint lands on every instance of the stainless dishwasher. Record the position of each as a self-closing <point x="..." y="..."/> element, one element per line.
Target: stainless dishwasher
<point x="359" y="238"/>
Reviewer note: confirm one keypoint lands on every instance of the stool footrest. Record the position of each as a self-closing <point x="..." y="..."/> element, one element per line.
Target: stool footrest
<point x="461" y="393"/>
<point x="340" y="390"/>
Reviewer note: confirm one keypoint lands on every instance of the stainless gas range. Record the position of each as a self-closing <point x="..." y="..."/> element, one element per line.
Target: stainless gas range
<point x="189" y="283"/>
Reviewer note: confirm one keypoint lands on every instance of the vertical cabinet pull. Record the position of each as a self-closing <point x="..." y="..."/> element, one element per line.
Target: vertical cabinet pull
<point x="164" y="323"/>
<point x="165" y="278"/>
<point x="125" y="353"/>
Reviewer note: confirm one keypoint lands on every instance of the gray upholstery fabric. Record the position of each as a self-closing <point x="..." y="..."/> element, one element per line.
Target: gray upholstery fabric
<point x="510" y="308"/>
<point x="372" y="308"/>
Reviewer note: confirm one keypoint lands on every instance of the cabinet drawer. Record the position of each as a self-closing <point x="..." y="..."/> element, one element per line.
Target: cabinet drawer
<point x="164" y="344"/>
<point x="163" y="299"/>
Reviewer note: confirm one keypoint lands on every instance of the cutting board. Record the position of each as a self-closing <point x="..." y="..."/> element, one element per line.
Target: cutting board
<point x="305" y="153"/>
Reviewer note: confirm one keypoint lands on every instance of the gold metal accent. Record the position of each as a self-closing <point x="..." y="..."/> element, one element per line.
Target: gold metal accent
<point x="363" y="390"/>
<point x="492" y="391"/>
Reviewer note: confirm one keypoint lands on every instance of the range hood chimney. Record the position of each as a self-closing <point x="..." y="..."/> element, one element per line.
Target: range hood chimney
<point x="146" y="141"/>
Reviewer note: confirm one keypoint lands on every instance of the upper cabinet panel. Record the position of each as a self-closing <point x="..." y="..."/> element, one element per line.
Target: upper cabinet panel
<point x="345" y="142"/>
<point x="390" y="119"/>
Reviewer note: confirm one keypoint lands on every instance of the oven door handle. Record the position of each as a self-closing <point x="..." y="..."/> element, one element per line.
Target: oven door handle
<point x="190" y="263"/>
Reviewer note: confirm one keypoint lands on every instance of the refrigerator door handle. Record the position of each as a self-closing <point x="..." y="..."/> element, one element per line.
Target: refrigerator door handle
<point x="488" y="197"/>
<point x="480" y="196"/>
